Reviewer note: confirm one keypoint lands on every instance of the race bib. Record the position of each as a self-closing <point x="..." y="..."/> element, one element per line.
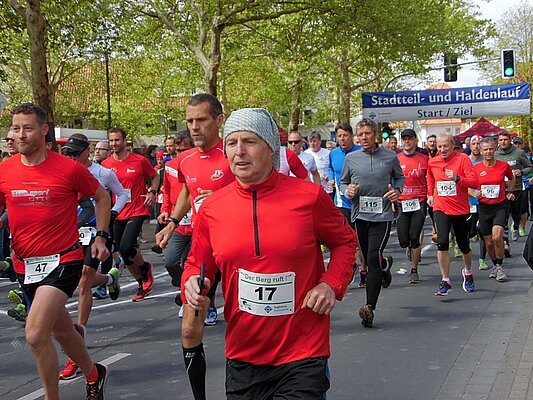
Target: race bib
<point x="186" y="220"/>
<point x="128" y="192"/>
<point x="410" y="205"/>
<point x="372" y="205"/>
<point x="446" y="188"/>
<point x="266" y="295"/>
<point x="490" y="191"/>
<point x="86" y="233"/>
<point x="473" y="209"/>
<point x="198" y="203"/>
<point x="38" y="268"/>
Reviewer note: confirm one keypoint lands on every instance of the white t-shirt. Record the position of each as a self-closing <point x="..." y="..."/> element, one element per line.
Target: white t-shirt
<point x="108" y="179"/>
<point x="322" y="163"/>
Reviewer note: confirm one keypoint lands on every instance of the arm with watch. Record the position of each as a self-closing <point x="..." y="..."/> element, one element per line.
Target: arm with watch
<point x="182" y="207"/>
<point x="103" y="211"/>
<point x="152" y="191"/>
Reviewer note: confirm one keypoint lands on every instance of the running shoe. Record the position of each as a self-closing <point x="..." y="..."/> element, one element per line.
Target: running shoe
<point x="413" y="277"/>
<point x="444" y="289"/>
<point x="507" y="250"/>
<point x="386" y="276"/>
<point x="96" y="390"/>
<point x="211" y="317"/>
<point x="15" y="296"/>
<point x="452" y="242"/>
<point x="483" y="264"/>
<point x="522" y="232"/>
<point x="119" y="264"/>
<point x="468" y="282"/>
<point x="19" y="312"/>
<point x="500" y="275"/>
<point x="148" y="278"/>
<point x="457" y="252"/>
<point x="157" y="250"/>
<point x="70" y="371"/>
<point x="514" y="235"/>
<point x="10" y="269"/>
<point x="114" y="288"/>
<point x="362" y="279"/>
<point x="140" y="294"/>
<point x="492" y="273"/>
<point x="366" y="313"/>
<point x="100" y="292"/>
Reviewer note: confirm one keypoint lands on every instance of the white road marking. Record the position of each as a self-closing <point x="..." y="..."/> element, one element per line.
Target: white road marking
<point x="109" y="360"/>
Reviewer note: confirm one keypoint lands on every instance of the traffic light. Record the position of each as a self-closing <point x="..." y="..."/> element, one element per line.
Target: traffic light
<point x="386" y="131"/>
<point x="508" y="64"/>
<point x="450" y="68"/>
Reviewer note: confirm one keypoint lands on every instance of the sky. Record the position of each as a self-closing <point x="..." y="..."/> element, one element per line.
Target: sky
<point x="469" y="75"/>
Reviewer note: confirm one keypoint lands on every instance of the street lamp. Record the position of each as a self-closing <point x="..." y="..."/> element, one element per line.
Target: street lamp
<point x="107" y="86"/>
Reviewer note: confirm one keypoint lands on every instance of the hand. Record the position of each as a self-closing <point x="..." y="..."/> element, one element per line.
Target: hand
<point x="203" y="194"/>
<point x="477" y="194"/>
<point x="331" y="185"/>
<point x="510" y="196"/>
<point x="164" y="235"/>
<point x="530" y="180"/>
<point x="352" y="190"/>
<point x="149" y="199"/>
<point x="321" y="299"/>
<point x="99" y="250"/>
<point x="163" y="218"/>
<point x="430" y="201"/>
<point x="193" y="293"/>
<point x="392" y="194"/>
<point x="450" y="174"/>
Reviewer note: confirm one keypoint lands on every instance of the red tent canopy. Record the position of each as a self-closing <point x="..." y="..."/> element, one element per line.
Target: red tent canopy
<point x="482" y="128"/>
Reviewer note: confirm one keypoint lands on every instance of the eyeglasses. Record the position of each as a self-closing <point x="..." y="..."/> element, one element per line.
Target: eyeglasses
<point x="293" y="141"/>
<point x="8" y="139"/>
<point x="100" y="149"/>
<point x="73" y="153"/>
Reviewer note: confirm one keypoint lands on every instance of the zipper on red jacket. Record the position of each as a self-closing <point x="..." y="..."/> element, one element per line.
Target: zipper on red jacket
<point x="256" y="226"/>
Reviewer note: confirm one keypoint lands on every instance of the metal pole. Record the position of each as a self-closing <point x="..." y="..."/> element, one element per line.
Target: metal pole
<point x="108" y="89"/>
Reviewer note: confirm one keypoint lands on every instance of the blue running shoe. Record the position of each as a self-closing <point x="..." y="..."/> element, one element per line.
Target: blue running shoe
<point x="100" y="293"/>
<point x="444" y="289"/>
<point x="211" y="317"/>
<point x="468" y="282"/>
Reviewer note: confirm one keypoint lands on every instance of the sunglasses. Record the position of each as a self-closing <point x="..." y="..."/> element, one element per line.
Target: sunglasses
<point x="7" y="139"/>
<point x="293" y="141"/>
<point x="100" y="149"/>
<point x="73" y="153"/>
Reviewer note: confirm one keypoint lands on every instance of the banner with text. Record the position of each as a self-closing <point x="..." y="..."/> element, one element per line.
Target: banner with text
<point x="469" y="102"/>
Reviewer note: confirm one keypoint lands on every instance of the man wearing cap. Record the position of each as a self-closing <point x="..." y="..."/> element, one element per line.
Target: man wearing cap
<point x="77" y="148"/>
<point x="278" y="294"/>
<point x="412" y="203"/>
<point x="521" y="166"/>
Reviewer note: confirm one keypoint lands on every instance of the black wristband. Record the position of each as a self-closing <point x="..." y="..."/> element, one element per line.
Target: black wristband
<point x="103" y="234"/>
<point x="172" y="219"/>
<point x="457" y="179"/>
<point x="153" y="191"/>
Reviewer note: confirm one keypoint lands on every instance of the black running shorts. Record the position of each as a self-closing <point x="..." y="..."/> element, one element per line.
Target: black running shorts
<point x="306" y="379"/>
<point x="65" y="277"/>
<point x="492" y="214"/>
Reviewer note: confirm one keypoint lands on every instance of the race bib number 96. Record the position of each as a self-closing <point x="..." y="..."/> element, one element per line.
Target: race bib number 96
<point x="266" y="295"/>
<point x="490" y="191"/>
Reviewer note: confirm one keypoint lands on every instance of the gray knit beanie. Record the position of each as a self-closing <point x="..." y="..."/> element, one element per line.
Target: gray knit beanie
<point x="258" y="121"/>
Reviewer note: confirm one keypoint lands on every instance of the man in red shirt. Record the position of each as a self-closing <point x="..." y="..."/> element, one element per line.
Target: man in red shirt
<point x="278" y="294"/>
<point x="38" y="185"/>
<point x="412" y="204"/>
<point x="131" y="170"/>
<point x="493" y="208"/>
<point x="203" y="170"/>
<point x="450" y="174"/>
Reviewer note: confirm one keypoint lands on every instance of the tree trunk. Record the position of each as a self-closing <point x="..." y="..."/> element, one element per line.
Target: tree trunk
<point x="294" y="117"/>
<point x="214" y="61"/>
<point x="42" y="95"/>
<point x="346" y="94"/>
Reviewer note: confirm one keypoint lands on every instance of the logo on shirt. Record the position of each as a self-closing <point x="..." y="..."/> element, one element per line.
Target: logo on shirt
<point x="218" y="174"/>
<point x="483" y="173"/>
<point x="189" y="179"/>
<point x="25" y="198"/>
<point x="130" y="171"/>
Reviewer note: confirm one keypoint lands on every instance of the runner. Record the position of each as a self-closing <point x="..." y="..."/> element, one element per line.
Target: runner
<point x="321" y="157"/>
<point x="494" y="204"/>
<point x="131" y="170"/>
<point x="450" y="174"/>
<point x="77" y="148"/>
<point x="367" y="179"/>
<point x="412" y="203"/>
<point x="295" y="143"/>
<point x="37" y="186"/>
<point x="203" y="170"/>
<point x="289" y="163"/>
<point x="277" y="339"/>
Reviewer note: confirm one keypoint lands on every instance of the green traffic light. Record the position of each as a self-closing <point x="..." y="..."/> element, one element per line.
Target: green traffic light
<point x="509" y="71"/>
<point x="385" y="135"/>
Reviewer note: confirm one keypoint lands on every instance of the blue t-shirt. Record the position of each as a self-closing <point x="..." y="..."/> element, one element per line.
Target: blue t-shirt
<point x="336" y="162"/>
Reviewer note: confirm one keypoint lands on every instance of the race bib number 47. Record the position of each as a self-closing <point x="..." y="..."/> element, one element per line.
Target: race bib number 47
<point x="38" y="268"/>
<point x="266" y="295"/>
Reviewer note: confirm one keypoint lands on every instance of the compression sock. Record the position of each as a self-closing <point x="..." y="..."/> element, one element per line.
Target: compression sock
<point x="195" y="366"/>
<point x="144" y="271"/>
<point x="499" y="261"/>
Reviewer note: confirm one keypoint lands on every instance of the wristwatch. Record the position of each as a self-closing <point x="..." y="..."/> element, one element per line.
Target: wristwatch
<point x="457" y="178"/>
<point x="153" y="191"/>
<point x="172" y="219"/>
<point x="103" y="234"/>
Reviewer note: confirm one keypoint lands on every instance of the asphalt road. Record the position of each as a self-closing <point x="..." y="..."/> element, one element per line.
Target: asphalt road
<point x="421" y="346"/>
